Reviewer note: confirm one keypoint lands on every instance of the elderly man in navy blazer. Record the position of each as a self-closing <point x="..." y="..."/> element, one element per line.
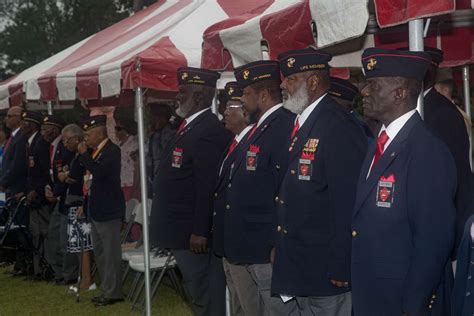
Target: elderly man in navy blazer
<point x="325" y="149"/>
<point x="181" y="216"/>
<point x="403" y="220"/>
<point x="254" y="179"/>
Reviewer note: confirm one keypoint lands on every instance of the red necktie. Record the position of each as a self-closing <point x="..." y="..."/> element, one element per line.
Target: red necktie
<point x="381" y="141"/>
<point x="295" y="129"/>
<point x="181" y="127"/>
<point x="51" y="154"/>
<point x="9" y="141"/>
<point x="252" y="131"/>
<point x="232" y="147"/>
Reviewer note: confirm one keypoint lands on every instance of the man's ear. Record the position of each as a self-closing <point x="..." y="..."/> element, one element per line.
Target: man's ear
<point x="400" y="95"/>
<point x="197" y="97"/>
<point x="263" y="95"/>
<point x="313" y="82"/>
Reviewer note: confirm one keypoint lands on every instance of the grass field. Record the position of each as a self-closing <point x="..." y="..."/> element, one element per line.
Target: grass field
<point x="20" y="297"/>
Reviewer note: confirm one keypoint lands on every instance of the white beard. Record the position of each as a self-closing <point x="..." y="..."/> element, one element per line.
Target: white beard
<point x="297" y="102"/>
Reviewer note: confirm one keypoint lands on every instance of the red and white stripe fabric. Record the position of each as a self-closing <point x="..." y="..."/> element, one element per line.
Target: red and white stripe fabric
<point x="142" y="50"/>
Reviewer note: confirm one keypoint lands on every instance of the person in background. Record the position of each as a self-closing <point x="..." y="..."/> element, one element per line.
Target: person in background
<point x="4" y="136"/>
<point x="79" y="241"/>
<point x="125" y="131"/>
<point x="345" y="93"/>
<point x="38" y="177"/>
<point x="65" y="266"/>
<point x="162" y="131"/>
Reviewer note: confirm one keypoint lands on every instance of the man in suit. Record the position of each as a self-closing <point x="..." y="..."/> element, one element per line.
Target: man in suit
<point x="235" y="120"/>
<point x="316" y="198"/>
<point x="105" y="206"/>
<point x="181" y="214"/>
<point x="446" y="122"/>
<point x="345" y="93"/>
<point x="249" y="215"/>
<point x="13" y="177"/>
<point x="37" y="178"/>
<point x="403" y="220"/>
<point x="64" y="264"/>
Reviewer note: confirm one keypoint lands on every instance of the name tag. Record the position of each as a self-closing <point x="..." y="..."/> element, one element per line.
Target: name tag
<point x="177" y="160"/>
<point x="31" y="161"/>
<point x="305" y="169"/>
<point x="385" y="190"/>
<point x="251" y="161"/>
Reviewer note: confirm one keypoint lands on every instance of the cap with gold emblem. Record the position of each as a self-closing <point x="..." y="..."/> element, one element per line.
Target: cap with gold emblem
<point x="232" y="91"/>
<point x="257" y="71"/>
<point x="94" y="121"/>
<point x="53" y="120"/>
<point x="32" y="116"/>
<point x="300" y="60"/>
<point x="198" y="76"/>
<point x="343" y="89"/>
<point x="378" y="62"/>
<point x="437" y="55"/>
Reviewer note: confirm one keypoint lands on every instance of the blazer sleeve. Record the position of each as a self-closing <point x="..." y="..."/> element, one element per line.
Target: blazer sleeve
<point x="102" y="167"/>
<point x="345" y="154"/>
<point x="44" y="165"/>
<point x="205" y="167"/>
<point x="18" y="168"/>
<point x="431" y="215"/>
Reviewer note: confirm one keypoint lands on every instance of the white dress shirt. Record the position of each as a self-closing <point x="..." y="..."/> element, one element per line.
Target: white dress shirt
<point x="192" y="117"/>
<point x="30" y="140"/>
<point x="237" y="138"/>
<point x="307" y="112"/>
<point x="268" y="113"/>
<point x="392" y="131"/>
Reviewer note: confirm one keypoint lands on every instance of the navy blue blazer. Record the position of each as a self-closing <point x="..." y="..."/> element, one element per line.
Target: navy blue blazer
<point x="445" y="121"/>
<point x="105" y="201"/>
<point x="219" y="202"/>
<point x="463" y="292"/>
<point x="39" y="163"/>
<point x="249" y="212"/>
<point x="403" y="224"/>
<point x="186" y="177"/>
<point x="14" y="165"/>
<point x="315" y="203"/>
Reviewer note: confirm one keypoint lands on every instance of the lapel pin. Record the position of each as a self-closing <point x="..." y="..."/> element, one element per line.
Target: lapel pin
<point x="392" y="154"/>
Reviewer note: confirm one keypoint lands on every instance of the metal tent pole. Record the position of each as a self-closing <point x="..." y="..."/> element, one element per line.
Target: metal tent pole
<point x="467" y="104"/>
<point x="50" y="108"/>
<point x="143" y="177"/>
<point x="415" y="32"/>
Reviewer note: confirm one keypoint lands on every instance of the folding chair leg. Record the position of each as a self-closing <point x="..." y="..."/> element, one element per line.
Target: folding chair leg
<point x="140" y="290"/>
<point x="125" y="273"/>
<point x="177" y="284"/>
<point x="133" y="286"/>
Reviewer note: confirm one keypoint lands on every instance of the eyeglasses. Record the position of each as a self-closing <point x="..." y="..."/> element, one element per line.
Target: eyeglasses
<point x="69" y="140"/>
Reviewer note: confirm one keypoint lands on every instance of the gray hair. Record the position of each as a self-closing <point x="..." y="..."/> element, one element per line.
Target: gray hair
<point x="74" y="130"/>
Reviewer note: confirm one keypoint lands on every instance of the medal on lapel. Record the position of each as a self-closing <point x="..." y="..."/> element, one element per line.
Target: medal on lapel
<point x="177" y="160"/>
<point x="385" y="191"/>
<point x="252" y="157"/>
<point x="31" y="161"/>
<point x="305" y="164"/>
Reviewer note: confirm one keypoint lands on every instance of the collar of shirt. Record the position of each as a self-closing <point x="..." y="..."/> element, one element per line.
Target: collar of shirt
<point x="268" y="113"/>
<point x="239" y="137"/>
<point x="15" y="132"/>
<point x="30" y="140"/>
<point x="307" y="112"/>
<point x="395" y="127"/>
<point x="56" y="141"/>
<point x="427" y="91"/>
<point x="192" y="117"/>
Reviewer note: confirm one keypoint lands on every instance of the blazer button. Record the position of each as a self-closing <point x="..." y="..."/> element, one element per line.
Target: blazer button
<point x="227" y="206"/>
<point x="354" y="233"/>
<point x="282" y="202"/>
<point x="230" y="185"/>
<point x="278" y="167"/>
<point x="433" y="297"/>
<point x="285" y="231"/>
<point x="214" y="213"/>
<point x="431" y="306"/>
<point x="276" y="199"/>
<point x="293" y="172"/>
<point x="215" y="194"/>
<point x="278" y="228"/>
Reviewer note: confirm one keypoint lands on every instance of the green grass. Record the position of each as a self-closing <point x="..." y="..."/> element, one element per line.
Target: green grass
<point x="20" y="297"/>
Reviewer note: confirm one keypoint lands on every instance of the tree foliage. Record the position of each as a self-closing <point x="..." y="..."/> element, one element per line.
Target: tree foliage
<point x="38" y="29"/>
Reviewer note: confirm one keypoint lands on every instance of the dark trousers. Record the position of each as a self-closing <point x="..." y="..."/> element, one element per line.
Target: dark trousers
<point x="64" y="264"/>
<point x="204" y="280"/>
<point x="39" y="225"/>
<point x="108" y="256"/>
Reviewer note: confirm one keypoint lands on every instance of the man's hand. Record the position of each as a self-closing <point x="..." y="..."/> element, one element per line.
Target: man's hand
<point x="31" y="196"/>
<point x="340" y="284"/>
<point x="49" y="195"/>
<point x="82" y="147"/>
<point x="272" y="255"/>
<point x="62" y="176"/>
<point x="80" y="212"/>
<point x="198" y="244"/>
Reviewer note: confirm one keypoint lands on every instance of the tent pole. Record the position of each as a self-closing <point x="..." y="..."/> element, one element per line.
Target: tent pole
<point x="143" y="177"/>
<point x="467" y="104"/>
<point x="415" y="29"/>
<point x="50" y="108"/>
